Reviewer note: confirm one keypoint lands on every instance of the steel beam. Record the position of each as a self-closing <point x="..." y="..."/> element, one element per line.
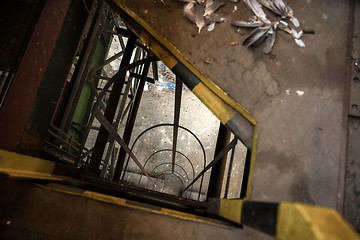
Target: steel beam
<point x="178" y="91"/>
<point x="217" y="171"/>
<point x="86" y="55"/>
<point x="131" y="120"/>
<point x="111" y="108"/>
<point x="226" y="149"/>
<point x="21" y="99"/>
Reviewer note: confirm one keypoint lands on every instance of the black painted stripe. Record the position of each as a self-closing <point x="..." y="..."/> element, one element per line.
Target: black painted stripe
<point x="260" y="215"/>
<point x="186" y="76"/>
<point x="242" y="129"/>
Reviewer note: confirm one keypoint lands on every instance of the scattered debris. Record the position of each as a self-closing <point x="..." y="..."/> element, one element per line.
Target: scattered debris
<point x="160" y="2"/>
<point x="234" y="43"/>
<point x="211" y="26"/>
<point x="202" y="13"/>
<point x="207" y="61"/>
<point x="265" y="30"/>
<point x="300" y="93"/>
<point x="300" y="42"/>
<point x="281" y="8"/>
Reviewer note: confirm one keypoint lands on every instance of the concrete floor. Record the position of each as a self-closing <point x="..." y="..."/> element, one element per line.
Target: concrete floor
<point x="297" y="95"/>
<point x="54" y="212"/>
<point x="299" y="98"/>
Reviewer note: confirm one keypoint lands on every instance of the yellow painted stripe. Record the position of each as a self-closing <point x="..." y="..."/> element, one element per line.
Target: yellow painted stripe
<point x="123" y="202"/>
<point x="105" y="198"/>
<point x="231" y="209"/>
<point x="214" y="103"/>
<point x="300" y="221"/>
<point x="173" y="50"/>
<point x="21" y="166"/>
<point x="183" y="215"/>
<point x="166" y="57"/>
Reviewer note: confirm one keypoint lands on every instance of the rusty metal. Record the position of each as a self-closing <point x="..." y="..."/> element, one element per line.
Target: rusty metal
<point x="82" y="73"/>
<point x="66" y="90"/>
<point x="16" y="111"/>
<point x="110" y="129"/>
<point x="98" y="103"/>
<point x="120" y="114"/>
<point x="111" y="108"/>
<point x="131" y="120"/>
<point x="15" y="37"/>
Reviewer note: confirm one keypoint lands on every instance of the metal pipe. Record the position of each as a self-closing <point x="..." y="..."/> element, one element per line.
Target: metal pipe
<point x="178" y="91"/>
<point x="245" y="179"/>
<point x="227" y="186"/>
<point x="110" y="110"/>
<point x="216" y="159"/>
<point x="131" y="121"/>
<point x="87" y="52"/>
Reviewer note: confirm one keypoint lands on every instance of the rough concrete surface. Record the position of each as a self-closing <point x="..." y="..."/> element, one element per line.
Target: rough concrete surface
<point x="42" y="213"/>
<point x="296" y="94"/>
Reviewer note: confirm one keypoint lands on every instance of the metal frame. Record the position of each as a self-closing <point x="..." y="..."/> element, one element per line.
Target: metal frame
<point x="136" y="59"/>
<point x="162" y="125"/>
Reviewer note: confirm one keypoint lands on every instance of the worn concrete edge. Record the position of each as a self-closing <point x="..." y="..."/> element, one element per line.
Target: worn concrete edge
<point x="303" y="221"/>
<point x="286" y="220"/>
<point x="135" y="205"/>
<point x="169" y="57"/>
<point x="25" y="167"/>
<point x="173" y="50"/>
<point x="20" y="166"/>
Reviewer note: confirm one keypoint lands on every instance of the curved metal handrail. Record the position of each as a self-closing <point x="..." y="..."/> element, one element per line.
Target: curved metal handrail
<point x="161" y="164"/>
<point x="168" y="125"/>
<point x="170" y="150"/>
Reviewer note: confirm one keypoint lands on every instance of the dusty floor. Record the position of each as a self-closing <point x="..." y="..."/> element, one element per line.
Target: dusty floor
<point x="297" y="95"/>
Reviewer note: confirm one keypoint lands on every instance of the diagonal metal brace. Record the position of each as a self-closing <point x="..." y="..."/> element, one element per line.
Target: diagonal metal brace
<point x="216" y="159"/>
<point x="107" y="125"/>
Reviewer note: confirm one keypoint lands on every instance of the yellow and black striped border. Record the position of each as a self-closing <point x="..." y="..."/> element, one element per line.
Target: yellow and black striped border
<point x="226" y="109"/>
<point x="285" y="220"/>
<point x="18" y="166"/>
